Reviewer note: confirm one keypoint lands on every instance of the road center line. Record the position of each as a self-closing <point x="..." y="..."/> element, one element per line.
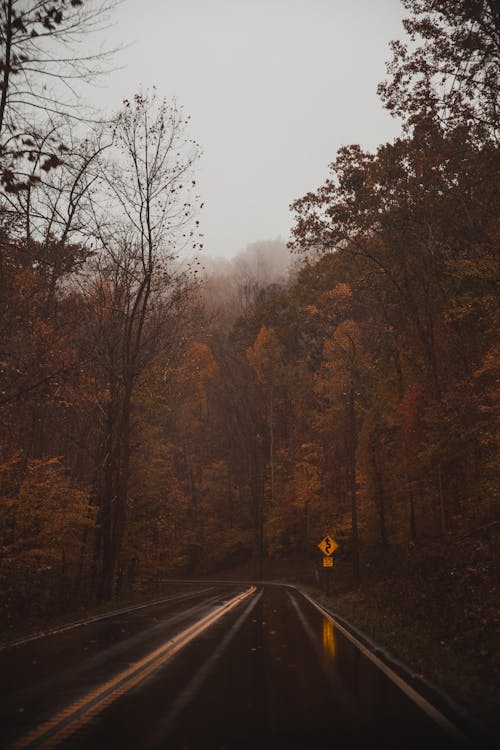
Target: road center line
<point x="51" y="733"/>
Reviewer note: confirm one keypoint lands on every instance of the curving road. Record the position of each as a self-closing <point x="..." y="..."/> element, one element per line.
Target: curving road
<point x="212" y="666"/>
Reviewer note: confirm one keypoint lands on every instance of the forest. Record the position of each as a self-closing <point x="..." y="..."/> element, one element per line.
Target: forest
<point x="159" y="419"/>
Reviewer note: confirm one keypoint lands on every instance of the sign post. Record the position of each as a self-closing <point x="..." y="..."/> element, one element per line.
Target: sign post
<point x="328" y="546"/>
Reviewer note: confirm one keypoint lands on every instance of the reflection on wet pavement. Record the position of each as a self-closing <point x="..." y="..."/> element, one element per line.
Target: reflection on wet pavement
<point x="290" y="679"/>
<point x="275" y="672"/>
<point x="328" y="638"/>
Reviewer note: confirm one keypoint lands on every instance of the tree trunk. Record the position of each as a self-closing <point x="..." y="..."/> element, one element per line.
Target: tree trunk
<point x="107" y="501"/>
<point x="122" y="482"/>
<point x="442" y="512"/>
<point x="379" y="493"/>
<point x="7" y="66"/>
<point x="271" y="442"/>
<point x="352" y="441"/>
<point x="257" y="485"/>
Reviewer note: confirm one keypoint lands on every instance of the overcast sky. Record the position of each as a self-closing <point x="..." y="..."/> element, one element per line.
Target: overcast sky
<point x="273" y="87"/>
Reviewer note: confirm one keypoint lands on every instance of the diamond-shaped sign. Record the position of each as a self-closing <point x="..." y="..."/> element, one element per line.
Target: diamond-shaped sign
<point x="328" y="545"/>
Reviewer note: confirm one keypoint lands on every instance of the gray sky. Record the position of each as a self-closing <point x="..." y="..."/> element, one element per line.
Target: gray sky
<point x="273" y="87"/>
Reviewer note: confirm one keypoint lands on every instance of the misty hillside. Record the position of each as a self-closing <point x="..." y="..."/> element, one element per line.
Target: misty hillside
<point x="231" y="286"/>
<point x="266" y="261"/>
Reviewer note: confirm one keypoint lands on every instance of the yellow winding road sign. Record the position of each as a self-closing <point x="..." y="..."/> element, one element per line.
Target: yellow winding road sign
<point x="328" y="545"/>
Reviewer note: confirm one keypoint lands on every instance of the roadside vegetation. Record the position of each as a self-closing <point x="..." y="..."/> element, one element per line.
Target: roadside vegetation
<point x="435" y="613"/>
<point x="156" y="423"/>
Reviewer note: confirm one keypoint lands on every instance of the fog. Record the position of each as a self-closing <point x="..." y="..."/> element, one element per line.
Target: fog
<point x="273" y="87"/>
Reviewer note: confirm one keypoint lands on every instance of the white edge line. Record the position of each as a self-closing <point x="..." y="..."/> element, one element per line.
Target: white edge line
<point x="105" y="616"/>
<point x="47" y="732"/>
<point x="415" y="696"/>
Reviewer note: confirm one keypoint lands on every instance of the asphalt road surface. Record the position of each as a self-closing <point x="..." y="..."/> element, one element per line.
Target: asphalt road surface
<point x="214" y="666"/>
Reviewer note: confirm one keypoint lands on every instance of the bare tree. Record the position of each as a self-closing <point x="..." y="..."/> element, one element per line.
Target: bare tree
<point x="42" y="69"/>
<point x="144" y="214"/>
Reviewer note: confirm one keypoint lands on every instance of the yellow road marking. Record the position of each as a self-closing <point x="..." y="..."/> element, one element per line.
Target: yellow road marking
<point x="81" y="711"/>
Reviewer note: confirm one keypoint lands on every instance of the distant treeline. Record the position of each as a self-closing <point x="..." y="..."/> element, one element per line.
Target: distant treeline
<point x="146" y="433"/>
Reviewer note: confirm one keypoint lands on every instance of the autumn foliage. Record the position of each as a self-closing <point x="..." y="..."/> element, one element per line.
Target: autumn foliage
<point x="143" y="437"/>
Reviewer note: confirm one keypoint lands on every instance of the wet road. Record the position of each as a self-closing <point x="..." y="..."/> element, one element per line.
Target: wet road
<point x="220" y="666"/>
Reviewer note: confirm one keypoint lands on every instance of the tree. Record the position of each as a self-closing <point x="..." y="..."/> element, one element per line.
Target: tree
<point x="449" y="70"/>
<point x="265" y="358"/>
<point x="41" y="71"/>
<point x="143" y="217"/>
<point x="41" y="520"/>
<point x="340" y="381"/>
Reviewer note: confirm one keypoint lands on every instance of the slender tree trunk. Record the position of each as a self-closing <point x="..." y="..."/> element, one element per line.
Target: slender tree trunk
<point x="122" y="479"/>
<point x="442" y="510"/>
<point x="410" y="502"/>
<point x="379" y="493"/>
<point x="83" y="548"/>
<point x="108" y="500"/>
<point x="257" y="486"/>
<point x="412" y="524"/>
<point x="260" y="528"/>
<point x="352" y="486"/>
<point x="63" y="582"/>
<point x="195" y="514"/>
<point x="7" y="66"/>
<point x="231" y="501"/>
<point x="307" y="521"/>
<point x="271" y="442"/>
<point x="437" y="397"/>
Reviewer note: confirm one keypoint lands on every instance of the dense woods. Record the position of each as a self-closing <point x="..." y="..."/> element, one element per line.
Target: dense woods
<point x="155" y="424"/>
